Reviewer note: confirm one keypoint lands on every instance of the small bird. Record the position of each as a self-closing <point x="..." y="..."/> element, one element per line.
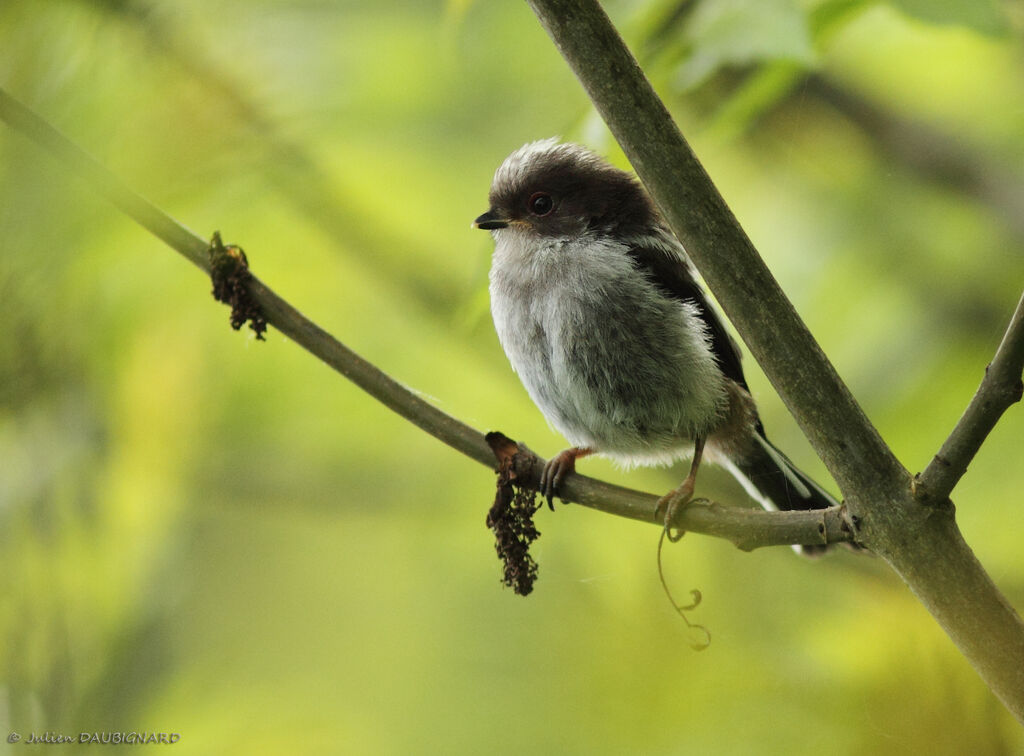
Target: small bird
<point x="600" y="313"/>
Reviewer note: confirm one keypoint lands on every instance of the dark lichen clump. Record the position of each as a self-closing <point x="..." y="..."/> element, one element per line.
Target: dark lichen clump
<point x="511" y="519"/>
<point x="229" y="271"/>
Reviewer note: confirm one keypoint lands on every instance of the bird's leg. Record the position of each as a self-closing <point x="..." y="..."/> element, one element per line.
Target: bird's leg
<point x="673" y="500"/>
<point x="557" y="468"/>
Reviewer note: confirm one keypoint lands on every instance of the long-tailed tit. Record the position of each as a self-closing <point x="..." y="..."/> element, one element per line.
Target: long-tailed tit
<point x="600" y="313"/>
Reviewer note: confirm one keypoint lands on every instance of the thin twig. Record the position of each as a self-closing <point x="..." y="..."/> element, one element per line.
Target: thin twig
<point x="289" y="165"/>
<point x="87" y="168"/>
<point x="747" y="528"/>
<point x="1000" y="388"/>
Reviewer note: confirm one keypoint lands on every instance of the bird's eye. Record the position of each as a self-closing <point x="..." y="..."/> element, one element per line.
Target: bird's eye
<point x="540" y="203"/>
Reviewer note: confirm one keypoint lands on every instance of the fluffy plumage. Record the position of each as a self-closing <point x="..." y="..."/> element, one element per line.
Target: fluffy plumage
<point x="601" y="315"/>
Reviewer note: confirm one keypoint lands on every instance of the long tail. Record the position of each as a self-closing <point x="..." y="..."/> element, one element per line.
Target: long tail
<point x="771" y="479"/>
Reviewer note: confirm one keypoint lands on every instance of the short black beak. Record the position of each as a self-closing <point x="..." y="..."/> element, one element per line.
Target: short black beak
<point x="489" y="221"/>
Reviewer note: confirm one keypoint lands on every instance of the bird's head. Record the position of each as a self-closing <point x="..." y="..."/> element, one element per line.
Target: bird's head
<point x="559" y="190"/>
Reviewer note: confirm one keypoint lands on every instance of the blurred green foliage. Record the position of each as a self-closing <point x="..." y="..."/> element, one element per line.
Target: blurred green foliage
<point x="207" y="535"/>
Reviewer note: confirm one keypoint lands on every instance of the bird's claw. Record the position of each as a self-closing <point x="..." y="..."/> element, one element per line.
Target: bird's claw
<point x="670" y="505"/>
<point x="554" y="472"/>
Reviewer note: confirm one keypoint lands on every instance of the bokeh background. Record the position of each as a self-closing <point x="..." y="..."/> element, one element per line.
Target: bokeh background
<point x="207" y="535"/>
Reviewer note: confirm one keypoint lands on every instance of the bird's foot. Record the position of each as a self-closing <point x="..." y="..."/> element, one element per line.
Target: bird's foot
<point x="671" y="504"/>
<point x="560" y="465"/>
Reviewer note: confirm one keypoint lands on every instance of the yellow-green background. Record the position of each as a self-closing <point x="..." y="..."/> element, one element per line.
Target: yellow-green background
<point x="208" y="535"/>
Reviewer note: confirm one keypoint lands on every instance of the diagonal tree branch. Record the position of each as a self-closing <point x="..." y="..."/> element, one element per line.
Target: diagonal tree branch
<point x="747" y="528"/>
<point x="290" y="166"/>
<point x="1000" y="388"/>
<point x="920" y="542"/>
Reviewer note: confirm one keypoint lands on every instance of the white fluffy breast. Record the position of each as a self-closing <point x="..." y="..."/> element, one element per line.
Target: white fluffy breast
<point x="613" y="363"/>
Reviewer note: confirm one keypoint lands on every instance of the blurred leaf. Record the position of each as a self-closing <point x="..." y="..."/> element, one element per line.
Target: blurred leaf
<point x="739" y="32"/>
<point x="758" y="93"/>
<point x="985" y="16"/>
<point x="830" y="15"/>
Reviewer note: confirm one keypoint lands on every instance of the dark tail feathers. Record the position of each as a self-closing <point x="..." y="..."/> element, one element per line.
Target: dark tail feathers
<point x="775" y="482"/>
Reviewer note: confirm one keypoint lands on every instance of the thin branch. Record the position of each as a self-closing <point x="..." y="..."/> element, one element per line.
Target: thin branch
<point x="85" y="167"/>
<point x="280" y="313"/>
<point x="746" y="528"/>
<point x="1000" y="388"/>
<point x="289" y="165"/>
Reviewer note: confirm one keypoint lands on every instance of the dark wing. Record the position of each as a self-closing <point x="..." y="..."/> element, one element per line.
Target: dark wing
<point x="672" y="275"/>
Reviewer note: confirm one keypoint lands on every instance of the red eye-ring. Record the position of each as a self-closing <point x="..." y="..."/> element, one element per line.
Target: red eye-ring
<point x="540" y="203"/>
